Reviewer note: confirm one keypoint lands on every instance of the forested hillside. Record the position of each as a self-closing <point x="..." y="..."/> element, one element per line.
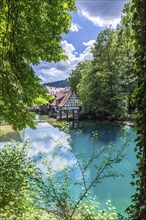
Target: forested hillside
<point x="57" y="84"/>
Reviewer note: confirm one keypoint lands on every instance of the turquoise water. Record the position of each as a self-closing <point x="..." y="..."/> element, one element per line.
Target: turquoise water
<point x="46" y="138"/>
<point x="117" y="190"/>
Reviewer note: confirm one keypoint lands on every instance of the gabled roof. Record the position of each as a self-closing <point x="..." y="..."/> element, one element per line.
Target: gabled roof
<point x="61" y="98"/>
<point x="65" y="98"/>
<point x="60" y="95"/>
<point x="53" y="103"/>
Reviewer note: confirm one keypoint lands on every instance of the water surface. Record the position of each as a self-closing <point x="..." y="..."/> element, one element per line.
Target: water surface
<point x="46" y="138"/>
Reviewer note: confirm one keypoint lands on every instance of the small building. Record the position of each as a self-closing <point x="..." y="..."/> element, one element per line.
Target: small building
<point x="66" y="104"/>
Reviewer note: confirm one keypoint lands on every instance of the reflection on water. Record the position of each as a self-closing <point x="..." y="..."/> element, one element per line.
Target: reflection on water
<point x="46" y="138"/>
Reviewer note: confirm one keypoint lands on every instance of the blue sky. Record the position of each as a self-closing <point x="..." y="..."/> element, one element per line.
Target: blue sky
<point x="92" y="17"/>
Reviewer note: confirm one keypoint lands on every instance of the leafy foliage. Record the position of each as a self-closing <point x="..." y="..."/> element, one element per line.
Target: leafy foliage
<point x="75" y="77"/>
<point x="103" y="83"/>
<point x="46" y="98"/>
<point x="30" y="32"/>
<point x="28" y="193"/>
<point x="16" y="181"/>
<point x="137" y="210"/>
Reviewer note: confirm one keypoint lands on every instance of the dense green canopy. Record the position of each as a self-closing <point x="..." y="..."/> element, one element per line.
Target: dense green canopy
<point x="30" y="31"/>
<point x="105" y="83"/>
<point x="137" y="209"/>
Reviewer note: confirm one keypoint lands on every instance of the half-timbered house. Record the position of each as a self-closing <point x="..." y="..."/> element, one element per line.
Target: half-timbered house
<point x="66" y="104"/>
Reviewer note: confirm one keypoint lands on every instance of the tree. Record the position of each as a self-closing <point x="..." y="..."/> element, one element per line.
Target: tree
<point x="16" y="181"/>
<point x="30" y="32"/>
<point x="75" y="76"/>
<point x="104" y="84"/>
<point x="105" y="53"/>
<point x="80" y="82"/>
<point x="126" y="56"/>
<point x="112" y="61"/>
<point x="137" y="210"/>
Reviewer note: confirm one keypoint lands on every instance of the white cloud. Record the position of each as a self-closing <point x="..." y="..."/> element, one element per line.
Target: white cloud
<point x="75" y="27"/>
<point x="71" y="53"/>
<point x="69" y="48"/>
<point x="86" y="55"/>
<point x="89" y="43"/>
<point x="46" y="139"/>
<point x="99" y="21"/>
<point x="43" y="79"/>
<point x="62" y="69"/>
<point x="102" y="13"/>
<point x="53" y="74"/>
